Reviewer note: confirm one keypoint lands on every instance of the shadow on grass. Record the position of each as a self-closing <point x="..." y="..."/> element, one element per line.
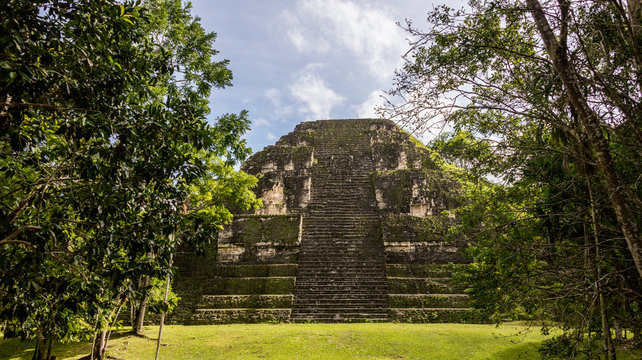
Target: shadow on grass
<point x="23" y="350"/>
<point x="16" y="349"/>
<point x="521" y="351"/>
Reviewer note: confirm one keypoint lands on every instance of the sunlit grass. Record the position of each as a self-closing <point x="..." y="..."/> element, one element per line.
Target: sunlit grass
<point x="314" y="341"/>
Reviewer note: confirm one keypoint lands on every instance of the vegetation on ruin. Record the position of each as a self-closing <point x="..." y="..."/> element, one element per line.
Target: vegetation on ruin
<point x="543" y="98"/>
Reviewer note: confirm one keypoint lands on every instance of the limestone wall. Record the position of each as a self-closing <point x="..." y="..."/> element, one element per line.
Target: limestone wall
<point x="258" y="239"/>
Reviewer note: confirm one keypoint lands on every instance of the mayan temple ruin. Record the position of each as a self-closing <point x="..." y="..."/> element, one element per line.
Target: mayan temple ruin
<point x="352" y="229"/>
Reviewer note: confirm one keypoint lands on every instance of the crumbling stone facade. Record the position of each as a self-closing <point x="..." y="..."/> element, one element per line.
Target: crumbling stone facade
<point x="352" y="229"/>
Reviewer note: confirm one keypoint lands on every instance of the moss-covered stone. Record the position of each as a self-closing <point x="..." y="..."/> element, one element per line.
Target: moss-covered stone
<point x="394" y="190"/>
<point x="256" y="239"/>
<point x="232" y="316"/>
<point x="266" y="270"/>
<point x="421" y="286"/>
<point x="189" y="288"/>
<point x="423" y="253"/>
<point x="403" y="227"/>
<point x="415" y="315"/>
<point x="191" y="263"/>
<point x="278" y="230"/>
<point x="419" y="270"/>
<point x="249" y="286"/>
<point x="282" y="158"/>
<point x="428" y="301"/>
<point x="245" y="301"/>
<point x="398" y="189"/>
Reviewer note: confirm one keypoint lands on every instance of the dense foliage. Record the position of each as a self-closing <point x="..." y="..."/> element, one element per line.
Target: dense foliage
<point x="545" y="99"/>
<point x="107" y="161"/>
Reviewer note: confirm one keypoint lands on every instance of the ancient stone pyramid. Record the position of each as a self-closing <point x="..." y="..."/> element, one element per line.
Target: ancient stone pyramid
<point x="352" y="229"/>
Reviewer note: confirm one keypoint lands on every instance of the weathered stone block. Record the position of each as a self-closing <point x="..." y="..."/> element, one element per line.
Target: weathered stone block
<point x="231" y="316"/>
<point x="249" y="285"/>
<point x="405" y="285"/>
<point x="428" y="301"/>
<point x="437" y="315"/>
<point x="422" y="253"/>
<point x="419" y="270"/>
<point x="245" y="301"/>
<point x="266" y="270"/>
<point x="260" y="239"/>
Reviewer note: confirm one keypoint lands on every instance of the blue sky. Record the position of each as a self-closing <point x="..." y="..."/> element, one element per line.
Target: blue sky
<point x="298" y="60"/>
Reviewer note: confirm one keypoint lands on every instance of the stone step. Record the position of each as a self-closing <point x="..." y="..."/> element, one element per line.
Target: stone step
<point x="336" y="254"/>
<point x="422" y="286"/>
<point x="352" y="262"/>
<point x="249" y="285"/>
<point x="335" y="246"/>
<point x="229" y="316"/>
<point x="340" y="302"/>
<point x="337" y="268"/>
<point x="357" y="278"/>
<point x="334" y="218"/>
<point x="321" y="311"/>
<point x="348" y="271"/>
<point x="428" y="301"/>
<point x="419" y="270"/>
<point x="356" y="297"/>
<point x="245" y="301"/>
<point x="330" y="284"/>
<point x="341" y="260"/>
<point x="343" y="318"/>
<point x="357" y="275"/>
<point x="325" y="285"/>
<point x="347" y="312"/>
<point x="432" y="315"/>
<point x="255" y="270"/>
<point x="332" y="293"/>
<point x="320" y="213"/>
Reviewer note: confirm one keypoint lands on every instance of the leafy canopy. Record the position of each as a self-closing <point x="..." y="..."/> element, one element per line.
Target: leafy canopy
<point x="105" y="152"/>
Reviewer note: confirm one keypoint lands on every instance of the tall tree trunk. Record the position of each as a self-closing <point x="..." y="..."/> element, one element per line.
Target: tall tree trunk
<point x="591" y="123"/>
<point x="139" y="312"/>
<point x="608" y="348"/>
<point x="162" y="319"/>
<point x="99" y="348"/>
<point x="44" y="346"/>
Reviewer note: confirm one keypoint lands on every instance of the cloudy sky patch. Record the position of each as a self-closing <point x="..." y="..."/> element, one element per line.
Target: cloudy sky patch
<point x="316" y="100"/>
<point x="306" y="59"/>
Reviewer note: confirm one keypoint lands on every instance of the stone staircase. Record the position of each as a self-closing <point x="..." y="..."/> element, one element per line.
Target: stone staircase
<point x="245" y="294"/>
<point x="423" y="293"/>
<point x="341" y="262"/>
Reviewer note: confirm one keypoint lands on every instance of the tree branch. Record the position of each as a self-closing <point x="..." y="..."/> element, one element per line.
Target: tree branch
<point x="9" y="239"/>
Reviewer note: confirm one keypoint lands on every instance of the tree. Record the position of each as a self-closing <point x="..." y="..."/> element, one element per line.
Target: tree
<point x="561" y="115"/>
<point x="558" y="53"/>
<point x="103" y="135"/>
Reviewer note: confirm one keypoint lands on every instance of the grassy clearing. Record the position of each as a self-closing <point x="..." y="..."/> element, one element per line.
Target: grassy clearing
<point x="314" y="341"/>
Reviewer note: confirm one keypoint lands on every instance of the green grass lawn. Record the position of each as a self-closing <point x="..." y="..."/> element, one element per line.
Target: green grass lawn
<point x="314" y="341"/>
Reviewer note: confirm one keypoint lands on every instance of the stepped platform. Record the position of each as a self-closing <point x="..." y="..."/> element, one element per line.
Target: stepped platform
<point x="352" y="230"/>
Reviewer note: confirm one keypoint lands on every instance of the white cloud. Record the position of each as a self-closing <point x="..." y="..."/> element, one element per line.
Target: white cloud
<point x="303" y="38"/>
<point x="270" y="136"/>
<point x="370" y="34"/>
<point x="315" y="97"/>
<point x="261" y="122"/>
<point x="274" y="95"/>
<point x="367" y="109"/>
